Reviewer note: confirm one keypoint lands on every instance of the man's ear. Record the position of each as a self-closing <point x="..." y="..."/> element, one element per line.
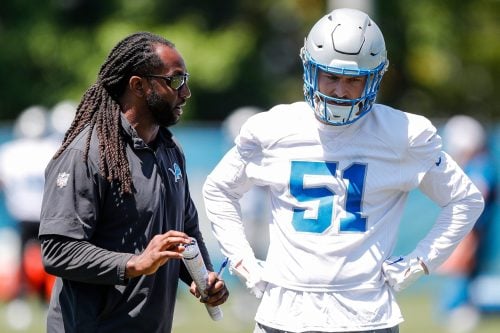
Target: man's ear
<point x="136" y="85"/>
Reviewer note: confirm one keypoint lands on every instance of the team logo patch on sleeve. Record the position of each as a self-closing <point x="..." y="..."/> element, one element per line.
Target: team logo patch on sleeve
<point x="176" y="171"/>
<point x="62" y="179"/>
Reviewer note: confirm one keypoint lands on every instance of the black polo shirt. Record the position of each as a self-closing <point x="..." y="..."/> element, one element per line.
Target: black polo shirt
<point x="89" y="232"/>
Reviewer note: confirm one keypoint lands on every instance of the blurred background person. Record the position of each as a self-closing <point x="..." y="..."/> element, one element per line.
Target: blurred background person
<point x="466" y="141"/>
<point x="61" y="116"/>
<point x="37" y="133"/>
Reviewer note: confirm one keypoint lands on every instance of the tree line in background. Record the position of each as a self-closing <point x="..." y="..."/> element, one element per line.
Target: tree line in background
<point x="444" y="55"/>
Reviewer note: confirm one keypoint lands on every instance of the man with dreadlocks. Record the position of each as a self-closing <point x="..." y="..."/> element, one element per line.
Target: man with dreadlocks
<point x="117" y="211"/>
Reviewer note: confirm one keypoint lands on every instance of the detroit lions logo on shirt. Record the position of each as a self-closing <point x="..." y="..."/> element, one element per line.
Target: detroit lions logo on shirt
<point x="176" y="171"/>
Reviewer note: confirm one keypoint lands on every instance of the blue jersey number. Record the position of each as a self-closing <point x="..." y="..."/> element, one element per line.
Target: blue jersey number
<point x="355" y="174"/>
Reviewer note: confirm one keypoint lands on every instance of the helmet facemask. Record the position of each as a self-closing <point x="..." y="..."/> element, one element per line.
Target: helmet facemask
<point x="369" y="61"/>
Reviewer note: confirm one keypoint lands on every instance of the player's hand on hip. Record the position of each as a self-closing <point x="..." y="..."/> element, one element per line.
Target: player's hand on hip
<point x="400" y="272"/>
<point x="160" y="249"/>
<point x="250" y="272"/>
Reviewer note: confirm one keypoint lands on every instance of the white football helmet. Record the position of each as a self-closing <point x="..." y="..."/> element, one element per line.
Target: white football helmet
<point x="343" y="42"/>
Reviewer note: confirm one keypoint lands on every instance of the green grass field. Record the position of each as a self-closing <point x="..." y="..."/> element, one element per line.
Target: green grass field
<point x="191" y="316"/>
<point x="238" y="316"/>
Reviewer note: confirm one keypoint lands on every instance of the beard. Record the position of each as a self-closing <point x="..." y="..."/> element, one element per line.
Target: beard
<point x="161" y="110"/>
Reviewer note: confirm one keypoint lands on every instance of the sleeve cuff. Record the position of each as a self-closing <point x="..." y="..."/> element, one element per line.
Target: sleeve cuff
<point x="122" y="269"/>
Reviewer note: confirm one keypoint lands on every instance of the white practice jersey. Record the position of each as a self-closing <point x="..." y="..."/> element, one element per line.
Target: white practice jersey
<point x="22" y="168"/>
<point x="337" y="196"/>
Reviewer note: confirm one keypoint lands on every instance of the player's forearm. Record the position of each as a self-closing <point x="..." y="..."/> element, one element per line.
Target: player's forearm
<point x="224" y="212"/>
<point x="81" y="261"/>
<point x="221" y="192"/>
<point x="451" y="226"/>
<point x="462" y="204"/>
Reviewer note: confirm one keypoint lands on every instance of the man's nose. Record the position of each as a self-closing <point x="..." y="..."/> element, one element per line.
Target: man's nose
<point x="340" y="90"/>
<point x="184" y="91"/>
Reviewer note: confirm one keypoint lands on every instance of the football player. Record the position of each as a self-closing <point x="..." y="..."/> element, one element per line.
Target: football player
<point x="338" y="169"/>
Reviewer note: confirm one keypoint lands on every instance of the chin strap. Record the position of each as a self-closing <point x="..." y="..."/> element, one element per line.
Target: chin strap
<point x="336" y="114"/>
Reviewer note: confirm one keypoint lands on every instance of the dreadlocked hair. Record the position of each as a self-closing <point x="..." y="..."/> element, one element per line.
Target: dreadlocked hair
<point x="99" y="109"/>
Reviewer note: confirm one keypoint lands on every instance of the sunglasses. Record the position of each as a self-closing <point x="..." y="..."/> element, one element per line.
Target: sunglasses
<point x="174" y="81"/>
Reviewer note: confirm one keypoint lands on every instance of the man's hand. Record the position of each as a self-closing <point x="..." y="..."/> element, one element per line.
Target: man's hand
<point x="160" y="249"/>
<point x="216" y="290"/>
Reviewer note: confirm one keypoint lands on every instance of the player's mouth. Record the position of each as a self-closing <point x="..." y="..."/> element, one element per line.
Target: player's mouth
<point x="340" y="103"/>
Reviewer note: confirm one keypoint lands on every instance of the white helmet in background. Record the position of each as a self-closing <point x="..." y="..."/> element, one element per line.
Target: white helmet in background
<point x="62" y="115"/>
<point x="344" y="42"/>
<point x="232" y="124"/>
<point x="32" y="123"/>
<point x="463" y="136"/>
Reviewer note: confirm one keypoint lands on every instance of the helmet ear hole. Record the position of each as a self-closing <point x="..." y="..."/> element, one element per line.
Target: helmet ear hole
<point x="344" y="42"/>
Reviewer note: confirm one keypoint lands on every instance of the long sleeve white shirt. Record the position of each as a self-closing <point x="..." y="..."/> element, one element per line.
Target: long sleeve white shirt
<point x="337" y="197"/>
